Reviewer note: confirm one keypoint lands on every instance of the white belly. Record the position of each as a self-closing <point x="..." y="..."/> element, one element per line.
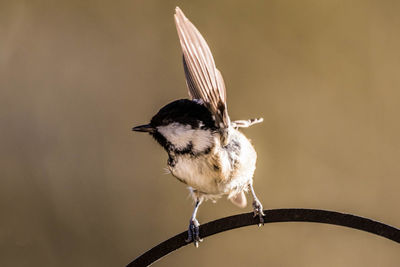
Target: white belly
<point x="213" y="173"/>
<point x="197" y="173"/>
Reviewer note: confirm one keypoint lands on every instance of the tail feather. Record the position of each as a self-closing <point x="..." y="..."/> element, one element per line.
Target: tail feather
<point x="239" y="200"/>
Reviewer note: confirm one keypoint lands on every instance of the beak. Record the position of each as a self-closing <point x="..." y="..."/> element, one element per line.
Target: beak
<point x="147" y="128"/>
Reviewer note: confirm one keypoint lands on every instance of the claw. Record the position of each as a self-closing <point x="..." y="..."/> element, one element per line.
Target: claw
<point x="258" y="211"/>
<point x="193" y="233"/>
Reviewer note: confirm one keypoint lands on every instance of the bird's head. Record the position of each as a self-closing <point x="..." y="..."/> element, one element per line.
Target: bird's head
<point x="182" y="126"/>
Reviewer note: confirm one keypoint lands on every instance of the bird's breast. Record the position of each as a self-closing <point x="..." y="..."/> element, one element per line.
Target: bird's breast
<point x="197" y="171"/>
<point x="221" y="170"/>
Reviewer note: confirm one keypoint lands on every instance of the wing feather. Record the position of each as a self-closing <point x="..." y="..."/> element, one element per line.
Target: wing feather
<point x="203" y="79"/>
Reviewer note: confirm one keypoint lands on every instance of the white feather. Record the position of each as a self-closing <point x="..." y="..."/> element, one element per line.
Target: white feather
<point x="181" y="135"/>
<point x="199" y="172"/>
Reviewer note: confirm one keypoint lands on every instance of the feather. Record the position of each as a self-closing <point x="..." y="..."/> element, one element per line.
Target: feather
<point x="203" y="79"/>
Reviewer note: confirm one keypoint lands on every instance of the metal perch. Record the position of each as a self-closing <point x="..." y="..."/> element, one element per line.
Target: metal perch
<point x="271" y="216"/>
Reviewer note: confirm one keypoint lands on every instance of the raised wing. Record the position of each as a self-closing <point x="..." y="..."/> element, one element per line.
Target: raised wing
<point x="203" y="79"/>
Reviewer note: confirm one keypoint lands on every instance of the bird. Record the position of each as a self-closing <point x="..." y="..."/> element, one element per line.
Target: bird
<point x="206" y="151"/>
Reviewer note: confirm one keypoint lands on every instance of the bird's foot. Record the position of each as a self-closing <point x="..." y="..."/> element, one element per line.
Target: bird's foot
<point x="193" y="233"/>
<point x="258" y="211"/>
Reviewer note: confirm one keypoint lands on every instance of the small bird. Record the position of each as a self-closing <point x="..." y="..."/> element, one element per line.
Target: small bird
<point x="205" y="149"/>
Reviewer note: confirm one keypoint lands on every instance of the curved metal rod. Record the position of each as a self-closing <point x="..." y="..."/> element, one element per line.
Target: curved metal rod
<point x="271" y="216"/>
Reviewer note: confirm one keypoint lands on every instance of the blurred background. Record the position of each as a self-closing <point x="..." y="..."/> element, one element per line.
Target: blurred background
<point x="78" y="188"/>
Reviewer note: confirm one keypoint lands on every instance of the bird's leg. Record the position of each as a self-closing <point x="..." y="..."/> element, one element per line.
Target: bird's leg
<point x="257" y="207"/>
<point x="193" y="232"/>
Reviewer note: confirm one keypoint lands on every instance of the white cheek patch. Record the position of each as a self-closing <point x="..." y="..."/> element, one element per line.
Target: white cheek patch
<point x="177" y="134"/>
<point x="202" y="139"/>
<point x="181" y="135"/>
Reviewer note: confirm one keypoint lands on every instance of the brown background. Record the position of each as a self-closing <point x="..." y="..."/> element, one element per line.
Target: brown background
<point x="78" y="188"/>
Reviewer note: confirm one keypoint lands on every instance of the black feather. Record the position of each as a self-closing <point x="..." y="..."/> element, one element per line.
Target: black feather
<point x="186" y="112"/>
